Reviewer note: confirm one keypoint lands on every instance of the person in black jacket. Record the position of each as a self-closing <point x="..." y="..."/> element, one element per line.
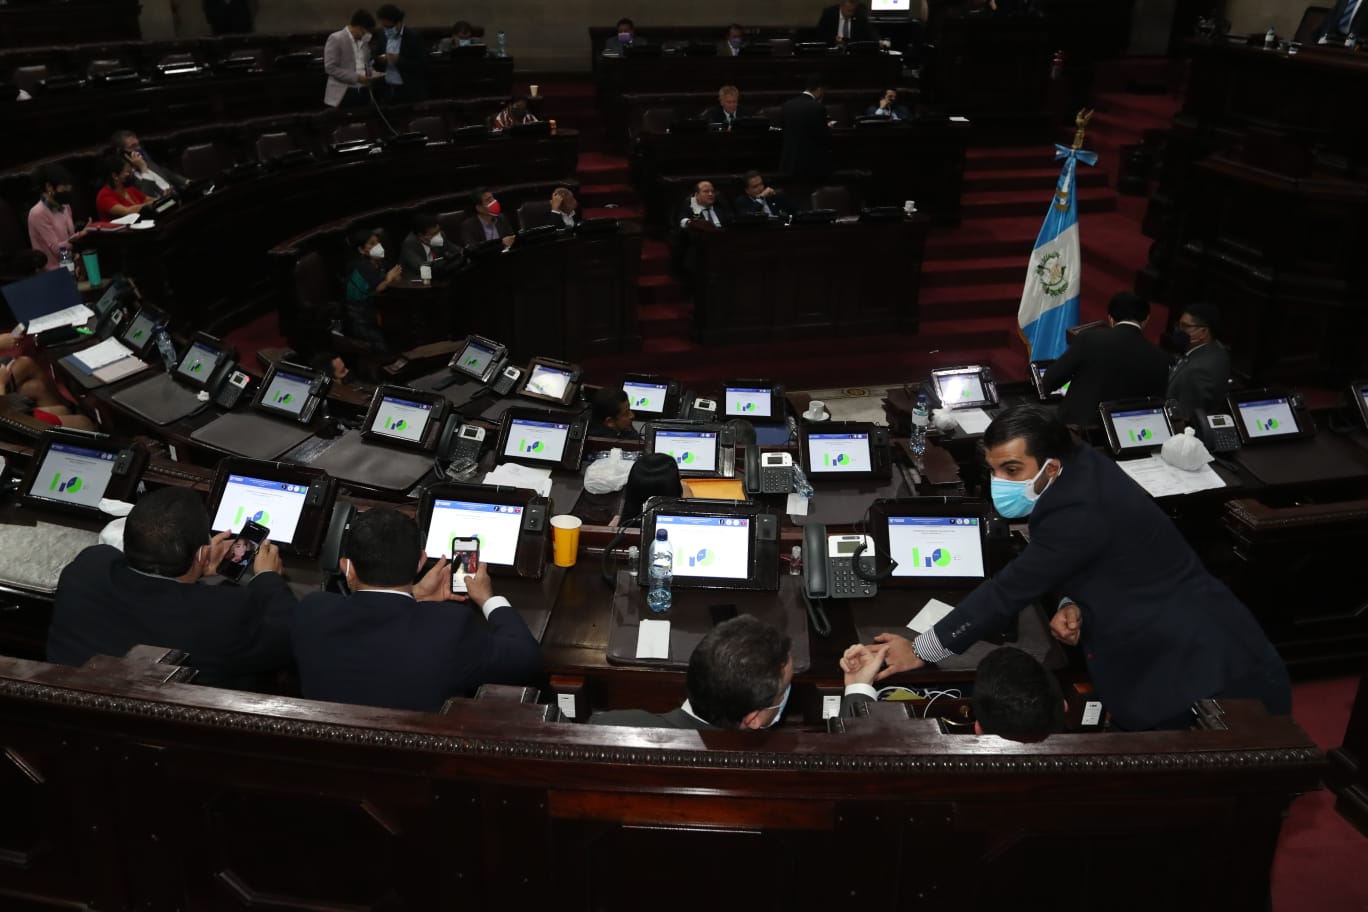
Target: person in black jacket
<point x="761" y="199"/>
<point x="807" y="133"/>
<point x="844" y="22"/>
<point x="400" y="644"/>
<point x="728" y="108"/>
<point x="151" y="594"/>
<point x="1104" y="365"/>
<point x="404" y="59"/>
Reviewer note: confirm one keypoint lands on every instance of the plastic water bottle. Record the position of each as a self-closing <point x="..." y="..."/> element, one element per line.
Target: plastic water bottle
<point x="633" y="559"/>
<point x="1270" y="39"/>
<point x="503" y="43"/>
<point x="921" y="419"/>
<point x="66" y="260"/>
<point x="662" y="573"/>
<point x="167" y="349"/>
<point x="801" y="486"/>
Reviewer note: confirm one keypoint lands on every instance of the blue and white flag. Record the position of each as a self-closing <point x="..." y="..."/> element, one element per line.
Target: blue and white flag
<point x="1049" y="300"/>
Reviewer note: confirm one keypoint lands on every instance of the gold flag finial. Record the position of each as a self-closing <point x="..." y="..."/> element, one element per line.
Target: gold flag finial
<point x="1081" y="121"/>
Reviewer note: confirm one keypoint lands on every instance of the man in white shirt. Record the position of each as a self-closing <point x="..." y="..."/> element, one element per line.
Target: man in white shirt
<point x="702" y="207"/>
<point x="346" y="60"/>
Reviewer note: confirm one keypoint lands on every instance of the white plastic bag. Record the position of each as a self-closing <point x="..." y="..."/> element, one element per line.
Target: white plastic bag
<point x="603" y="476"/>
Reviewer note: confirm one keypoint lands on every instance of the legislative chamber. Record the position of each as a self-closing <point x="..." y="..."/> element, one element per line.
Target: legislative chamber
<point x="510" y="277"/>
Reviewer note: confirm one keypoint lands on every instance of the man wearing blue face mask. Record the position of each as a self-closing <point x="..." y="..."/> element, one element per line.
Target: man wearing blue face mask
<point x="1159" y="632"/>
<point x="403" y="59"/>
<point x="739" y="677"/>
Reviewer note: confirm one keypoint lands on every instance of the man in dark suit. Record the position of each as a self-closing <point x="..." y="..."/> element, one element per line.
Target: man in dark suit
<point x="397" y="644"/>
<point x="807" y="134"/>
<point x="488" y="222"/>
<point x="761" y="199"/>
<point x="731" y="45"/>
<point x="1158" y="631"/>
<point x="727" y="109"/>
<point x="887" y="106"/>
<point x="1347" y="17"/>
<point x="150" y="593"/>
<point x="701" y="212"/>
<point x="739" y="678"/>
<point x="423" y="246"/>
<point x="1014" y="696"/>
<point x="1201" y="377"/>
<point x="1103" y="365"/>
<point x="845" y="22"/>
<point x="404" y="59"/>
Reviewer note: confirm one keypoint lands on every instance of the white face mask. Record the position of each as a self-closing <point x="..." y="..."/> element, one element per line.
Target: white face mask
<point x="377" y="252"/>
<point x="437" y="240"/>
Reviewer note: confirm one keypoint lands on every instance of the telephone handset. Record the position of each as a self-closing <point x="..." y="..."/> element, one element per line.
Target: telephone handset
<point x="829" y="564"/>
<point x="768" y="473"/>
<point x="1217" y="431"/>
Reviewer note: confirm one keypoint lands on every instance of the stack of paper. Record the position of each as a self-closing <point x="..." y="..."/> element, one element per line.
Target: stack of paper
<point x="1163" y="480"/>
<point x="521" y="476"/>
<point x="101" y="354"/>
<point x="75" y="315"/>
<point x="972" y="420"/>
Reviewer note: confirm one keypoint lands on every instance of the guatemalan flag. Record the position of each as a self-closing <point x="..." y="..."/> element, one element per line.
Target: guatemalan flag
<point x="1049" y="300"/>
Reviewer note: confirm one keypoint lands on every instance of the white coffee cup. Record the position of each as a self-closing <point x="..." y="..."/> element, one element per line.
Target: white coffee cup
<point x="816" y="410"/>
<point x="533" y="90"/>
<point x="425" y="273"/>
<point x="910" y="207"/>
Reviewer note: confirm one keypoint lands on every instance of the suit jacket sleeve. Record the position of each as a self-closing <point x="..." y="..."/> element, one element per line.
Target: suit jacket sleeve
<point x="1062" y="371"/>
<point x="335" y="62"/>
<point x="1062" y="543"/>
<point x="411" y="256"/>
<point x="271" y="607"/>
<point x="506" y="653"/>
<point x="412" y="56"/>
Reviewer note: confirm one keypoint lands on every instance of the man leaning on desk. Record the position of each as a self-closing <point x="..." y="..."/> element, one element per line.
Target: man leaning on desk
<point x="1159" y="632"/>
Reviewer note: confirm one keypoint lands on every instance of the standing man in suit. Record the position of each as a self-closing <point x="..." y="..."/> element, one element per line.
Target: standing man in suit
<point x="346" y="60"/>
<point x="1103" y="365"/>
<point x="1347" y="17"/>
<point x="1158" y="631"/>
<point x="761" y="199"/>
<point x="1201" y="377"/>
<point x="488" y="223"/>
<point x="404" y="58"/>
<point x="109" y="601"/>
<point x="845" y="22"/>
<point x="403" y="645"/>
<point x="807" y="134"/>
<point x="727" y="109"/>
<point x="423" y="246"/>
<point x="739" y="678"/>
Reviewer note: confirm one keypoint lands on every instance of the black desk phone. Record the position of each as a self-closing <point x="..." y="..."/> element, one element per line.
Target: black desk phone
<point x="768" y="473"/>
<point x="462" y="441"/>
<point x="1217" y="431"/>
<point x="506" y="380"/>
<point x="829" y="564"/>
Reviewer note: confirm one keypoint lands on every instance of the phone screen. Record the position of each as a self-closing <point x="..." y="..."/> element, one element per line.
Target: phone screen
<point x="465" y="559"/>
<point x="242" y="552"/>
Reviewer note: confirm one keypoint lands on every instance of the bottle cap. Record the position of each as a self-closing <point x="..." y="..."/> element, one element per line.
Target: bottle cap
<point x="661" y="535"/>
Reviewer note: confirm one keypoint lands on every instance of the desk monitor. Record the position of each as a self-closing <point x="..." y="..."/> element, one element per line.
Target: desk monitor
<point x="140" y="333"/>
<point x="1358" y="392"/>
<point x="479" y="358"/>
<point x="890" y="6"/>
<point x="1268" y="414"/>
<point x="651" y="396"/>
<point x="970" y="386"/>
<point x="512" y="525"/>
<point x="700" y="450"/>
<point x="120" y="289"/>
<point x="1135" y="427"/>
<point x="405" y="417"/>
<point x="537" y="437"/>
<point x="754" y="400"/>
<point x="292" y="391"/>
<point x="72" y="471"/>
<point x="717" y="544"/>
<point x="203" y="362"/>
<point x="936" y="541"/>
<point x="1038" y="371"/>
<point x="551" y="381"/>
<point x="845" y="451"/>
<point x="293" y="501"/>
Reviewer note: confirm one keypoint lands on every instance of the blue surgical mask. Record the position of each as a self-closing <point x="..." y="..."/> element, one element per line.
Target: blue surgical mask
<point x="782" y="705"/>
<point x="391" y="32"/>
<point x="463" y="42"/>
<point x="734" y="42"/>
<point x="1016" y="499"/>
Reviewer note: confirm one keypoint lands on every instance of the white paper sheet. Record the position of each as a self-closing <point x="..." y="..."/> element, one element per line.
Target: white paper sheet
<point x="1160" y="479"/>
<point x="797" y="505"/>
<point x="120" y="369"/>
<point x="102" y="353"/>
<point x="973" y="420"/>
<point x="653" y="640"/>
<point x="929" y="616"/>
<point x="126" y="219"/>
<point x="521" y="476"/>
<point x="75" y="315"/>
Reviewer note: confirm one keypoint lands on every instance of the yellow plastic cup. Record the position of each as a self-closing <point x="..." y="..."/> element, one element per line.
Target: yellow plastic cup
<point x="565" y="530"/>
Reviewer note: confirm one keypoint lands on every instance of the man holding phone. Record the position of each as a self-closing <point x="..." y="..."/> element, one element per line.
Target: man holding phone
<point x="398" y="644"/>
<point x="152" y="593"/>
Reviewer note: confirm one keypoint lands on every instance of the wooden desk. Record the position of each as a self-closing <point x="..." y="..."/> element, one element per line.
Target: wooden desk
<point x="806" y="281"/>
<point x="1348" y="776"/>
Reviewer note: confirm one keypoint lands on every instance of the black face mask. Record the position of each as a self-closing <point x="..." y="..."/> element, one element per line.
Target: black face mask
<point x="1179" y="339"/>
<point x="62" y="197"/>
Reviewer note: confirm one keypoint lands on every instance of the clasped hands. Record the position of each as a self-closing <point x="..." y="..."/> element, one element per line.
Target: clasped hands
<point x="892" y="654"/>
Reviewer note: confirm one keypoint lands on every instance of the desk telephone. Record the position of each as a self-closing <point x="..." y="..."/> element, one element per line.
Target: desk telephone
<point x="461" y="441"/>
<point x="1217" y="431"/>
<point x="840" y="565"/>
<point x="768" y="473"/>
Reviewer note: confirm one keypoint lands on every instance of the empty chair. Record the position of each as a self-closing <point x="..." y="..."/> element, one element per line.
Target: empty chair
<point x="533" y="214"/>
<point x="308" y="323"/>
<point x="774" y="114"/>
<point x="29" y="78"/>
<point x="245" y="59"/>
<point x="451" y="223"/>
<point x="273" y="145"/>
<point x="837" y="198"/>
<point x="177" y="64"/>
<point x="357" y="131"/>
<point x="202" y="162"/>
<point x="433" y="126"/>
<point x="837" y="113"/>
<point x="658" y="120"/>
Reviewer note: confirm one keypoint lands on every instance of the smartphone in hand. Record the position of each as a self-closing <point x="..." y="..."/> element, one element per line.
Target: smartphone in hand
<point x="242" y="551"/>
<point x="465" y="559"/>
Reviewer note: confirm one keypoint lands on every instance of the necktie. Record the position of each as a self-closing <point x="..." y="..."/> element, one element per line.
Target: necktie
<point x="845" y="28"/>
<point x="1347" y="17"/>
<point x="712" y="219"/>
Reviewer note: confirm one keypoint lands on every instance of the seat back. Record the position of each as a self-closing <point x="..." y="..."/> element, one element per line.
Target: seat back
<point x="837" y="198"/>
<point x="357" y="131"/>
<point x="774" y="114"/>
<point x="533" y="214"/>
<point x="433" y="126"/>
<point x="273" y="145"/>
<point x="315" y="302"/>
<point x="28" y="78"/>
<point x="451" y="224"/>
<point x="838" y="114"/>
<point x="1311" y="21"/>
<point x="658" y="120"/>
<point x="103" y="65"/>
<point x="203" y="161"/>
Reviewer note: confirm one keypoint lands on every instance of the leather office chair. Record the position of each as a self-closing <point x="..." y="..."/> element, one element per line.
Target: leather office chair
<point x="837" y="198"/>
<point x="433" y="126"/>
<point x="203" y="161"/>
<point x="451" y="224"/>
<point x="29" y="78"/>
<point x="658" y="120"/>
<point x="273" y="145"/>
<point x="533" y="214"/>
<point x="1311" y="21"/>
<point x="308" y="323"/>
<point x="358" y="131"/>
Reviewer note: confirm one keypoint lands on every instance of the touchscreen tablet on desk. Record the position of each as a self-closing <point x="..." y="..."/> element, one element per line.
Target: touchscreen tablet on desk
<point x="1265" y="415"/>
<point x="496" y="525"/>
<point x="1135" y="428"/>
<point x="294" y="502"/>
<point x="936" y="541"/>
<point x="74" y="471"/>
<point x="699" y="450"/>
